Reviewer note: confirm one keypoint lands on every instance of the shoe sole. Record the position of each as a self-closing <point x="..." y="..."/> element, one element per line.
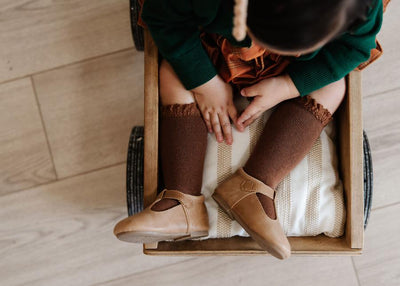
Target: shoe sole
<point x="253" y="235"/>
<point x="148" y="236"/>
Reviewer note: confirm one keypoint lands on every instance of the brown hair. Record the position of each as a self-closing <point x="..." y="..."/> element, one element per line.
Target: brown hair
<point x="293" y="25"/>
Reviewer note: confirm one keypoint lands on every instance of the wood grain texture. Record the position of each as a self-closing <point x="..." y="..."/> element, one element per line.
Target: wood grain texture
<point x="25" y="159"/>
<point x="61" y="233"/>
<point x="380" y="263"/>
<point x="351" y="159"/>
<point x="217" y="271"/>
<point x="41" y="34"/>
<point x="89" y="110"/>
<point x="381" y="75"/>
<point x="382" y="123"/>
<point x="151" y="93"/>
<point x="238" y="245"/>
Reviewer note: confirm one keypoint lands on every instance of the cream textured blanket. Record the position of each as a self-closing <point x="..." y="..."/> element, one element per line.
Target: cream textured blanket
<point x="309" y="201"/>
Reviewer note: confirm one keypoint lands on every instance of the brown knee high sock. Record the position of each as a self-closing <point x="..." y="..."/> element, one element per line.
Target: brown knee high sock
<point x="288" y="135"/>
<point x="183" y="142"/>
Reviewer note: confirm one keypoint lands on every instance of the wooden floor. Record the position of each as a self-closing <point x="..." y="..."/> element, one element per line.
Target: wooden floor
<point x="70" y="91"/>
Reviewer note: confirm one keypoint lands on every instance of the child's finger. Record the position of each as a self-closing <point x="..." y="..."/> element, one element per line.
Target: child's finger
<point x="251" y="119"/>
<point x="247" y="114"/>
<point x="206" y="117"/>
<point x="226" y="127"/>
<point x="216" y="127"/>
<point x="232" y="112"/>
<point x="233" y="115"/>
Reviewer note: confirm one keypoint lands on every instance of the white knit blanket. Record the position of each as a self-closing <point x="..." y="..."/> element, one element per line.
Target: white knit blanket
<point x="309" y="201"/>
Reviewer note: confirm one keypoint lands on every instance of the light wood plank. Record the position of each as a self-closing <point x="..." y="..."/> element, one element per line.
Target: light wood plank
<point x="61" y="233"/>
<point x="39" y="35"/>
<point x="89" y="110"/>
<point x="24" y="155"/>
<point x="151" y="94"/>
<point x="382" y="124"/>
<point x="217" y="271"/>
<point x="381" y="75"/>
<point x="351" y="159"/>
<point x="238" y="245"/>
<point x="380" y="263"/>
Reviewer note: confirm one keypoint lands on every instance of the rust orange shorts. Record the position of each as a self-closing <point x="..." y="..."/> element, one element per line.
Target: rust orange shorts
<point x="242" y="66"/>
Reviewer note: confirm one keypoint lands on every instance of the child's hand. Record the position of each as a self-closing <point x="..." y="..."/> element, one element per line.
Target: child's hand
<point x="268" y="93"/>
<point x="215" y="102"/>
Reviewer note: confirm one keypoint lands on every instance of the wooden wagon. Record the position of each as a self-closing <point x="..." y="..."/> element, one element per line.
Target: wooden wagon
<point x="355" y="169"/>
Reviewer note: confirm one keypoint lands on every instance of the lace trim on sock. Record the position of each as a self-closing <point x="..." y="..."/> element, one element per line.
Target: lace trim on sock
<point x="180" y="110"/>
<point x="317" y="109"/>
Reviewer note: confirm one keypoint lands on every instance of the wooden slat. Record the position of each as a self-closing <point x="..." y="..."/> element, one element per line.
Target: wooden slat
<point x="237" y="245"/>
<point x="379" y="264"/>
<point x="254" y="270"/>
<point x="40" y="35"/>
<point x="351" y="159"/>
<point x="25" y="159"/>
<point x="89" y="109"/>
<point x="382" y="74"/>
<point x="382" y="124"/>
<point x="61" y="233"/>
<point x="150" y="120"/>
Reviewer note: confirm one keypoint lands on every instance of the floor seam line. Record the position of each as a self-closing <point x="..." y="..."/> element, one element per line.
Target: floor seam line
<point x="355" y="271"/>
<point x="64" y="178"/>
<point x="385" y="206"/>
<point x="65" y="65"/>
<point x="382" y="92"/>
<point x="43" y="126"/>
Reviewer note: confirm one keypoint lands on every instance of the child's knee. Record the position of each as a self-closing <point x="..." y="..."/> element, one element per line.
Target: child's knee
<point x="331" y="96"/>
<point x="340" y="89"/>
<point x="172" y="90"/>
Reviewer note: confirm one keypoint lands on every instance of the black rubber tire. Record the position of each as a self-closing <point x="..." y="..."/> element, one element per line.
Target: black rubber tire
<point x="368" y="179"/>
<point x="137" y="31"/>
<point x="134" y="173"/>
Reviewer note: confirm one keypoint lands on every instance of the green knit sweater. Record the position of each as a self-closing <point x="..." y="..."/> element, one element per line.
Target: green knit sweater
<point x="175" y="28"/>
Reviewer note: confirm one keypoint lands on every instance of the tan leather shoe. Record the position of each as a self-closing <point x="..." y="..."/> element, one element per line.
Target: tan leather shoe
<point x="237" y="197"/>
<point x="187" y="220"/>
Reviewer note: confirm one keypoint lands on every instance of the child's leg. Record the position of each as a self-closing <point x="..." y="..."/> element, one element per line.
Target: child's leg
<point x="183" y="138"/>
<point x="289" y="134"/>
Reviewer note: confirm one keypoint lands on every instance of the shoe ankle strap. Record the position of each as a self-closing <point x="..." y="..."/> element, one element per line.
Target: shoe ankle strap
<point x="185" y="199"/>
<point x="251" y="184"/>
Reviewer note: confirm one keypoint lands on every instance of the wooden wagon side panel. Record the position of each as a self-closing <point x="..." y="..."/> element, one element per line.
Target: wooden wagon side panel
<point x="151" y="92"/>
<point x="350" y="158"/>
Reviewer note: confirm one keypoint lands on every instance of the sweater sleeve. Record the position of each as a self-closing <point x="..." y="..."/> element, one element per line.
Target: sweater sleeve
<point x="174" y="26"/>
<point x="339" y="57"/>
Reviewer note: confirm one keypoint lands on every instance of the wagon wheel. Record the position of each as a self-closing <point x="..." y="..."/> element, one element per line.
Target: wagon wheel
<point x="368" y="179"/>
<point x="134" y="171"/>
<point x="134" y="174"/>
<point x="137" y="31"/>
